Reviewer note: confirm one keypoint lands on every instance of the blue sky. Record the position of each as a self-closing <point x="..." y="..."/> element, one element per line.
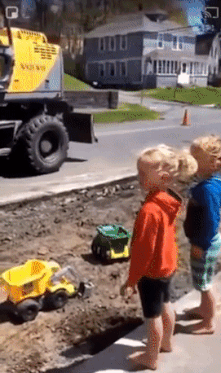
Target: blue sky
<point x="193" y="9"/>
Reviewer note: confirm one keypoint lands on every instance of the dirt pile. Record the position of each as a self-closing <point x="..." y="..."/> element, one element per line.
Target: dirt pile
<point x="62" y="229"/>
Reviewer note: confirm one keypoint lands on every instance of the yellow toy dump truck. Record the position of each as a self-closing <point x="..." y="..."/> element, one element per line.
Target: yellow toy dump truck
<point x="36" y="123"/>
<point x="38" y="284"/>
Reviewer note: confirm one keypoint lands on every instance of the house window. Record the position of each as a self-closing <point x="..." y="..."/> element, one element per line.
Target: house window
<point x="160" y="40"/>
<point x="195" y="68"/>
<point x="184" y="68"/>
<point x="164" y="67"/>
<point x="159" y="67"/>
<point x="101" y="44"/>
<point x="172" y="67"/>
<point x="112" y="69"/>
<point x="111" y="43"/>
<point x="154" y="66"/>
<point x="168" y="67"/>
<point x="174" y="41"/>
<point x="180" y="42"/>
<point x="101" y="70"/>
<point x="123" y="69"/>
<point x="123" y="42"/>
<point x="191" y="67"/>
<point x="175" y="67"/>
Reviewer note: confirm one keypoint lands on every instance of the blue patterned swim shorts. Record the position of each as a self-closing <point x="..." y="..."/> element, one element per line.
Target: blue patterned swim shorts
<point x="203" y="264"/>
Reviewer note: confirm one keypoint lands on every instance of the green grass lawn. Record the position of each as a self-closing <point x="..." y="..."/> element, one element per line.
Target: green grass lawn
<point x="197" y="96"/>
<point x="126" y="112"/>
<point x="73" y="84"/>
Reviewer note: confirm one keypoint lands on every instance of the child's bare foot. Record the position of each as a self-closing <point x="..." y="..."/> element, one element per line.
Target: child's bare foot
<point x="166" y="347"/>
<point x="142" y="360"/>
<point x="201" y="328"/>
<point x="193" y="313"/>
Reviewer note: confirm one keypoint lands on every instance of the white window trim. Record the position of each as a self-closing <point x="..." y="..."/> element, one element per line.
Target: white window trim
<point x="99" y="66"/>
<point x="176" y="42"/>
<point x="195" y="67"/>
<point x="109" y="44"/>
<point x="158" y="40"/>
<point x="191" y="73"/>
<point x="121" y="68"/>
<point x="100" y="44"/>
<point x="109" y="69"/>
<point x="165" y="73"/>
<point x="121" y="38"/>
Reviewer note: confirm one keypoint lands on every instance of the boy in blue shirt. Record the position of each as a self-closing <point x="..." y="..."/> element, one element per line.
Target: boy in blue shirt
<point x="202" y="228"/>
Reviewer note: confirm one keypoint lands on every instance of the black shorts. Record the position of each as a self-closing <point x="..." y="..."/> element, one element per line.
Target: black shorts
<point x="153" y="293"/>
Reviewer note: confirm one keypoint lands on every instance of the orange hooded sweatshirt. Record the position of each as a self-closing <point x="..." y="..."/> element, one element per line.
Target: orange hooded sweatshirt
<point x="153" y="245"/>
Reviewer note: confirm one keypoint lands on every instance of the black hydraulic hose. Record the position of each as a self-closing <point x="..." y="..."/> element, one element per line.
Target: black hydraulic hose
<point x="6" y="24"/>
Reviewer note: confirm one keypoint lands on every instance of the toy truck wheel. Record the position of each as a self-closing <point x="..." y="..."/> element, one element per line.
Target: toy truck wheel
<point x="28" y="309"/>
<point x="46" y="142"/>
<point x="58" y="299"/>
<point x="95" y="246"/>
<point x="105" y="252"/>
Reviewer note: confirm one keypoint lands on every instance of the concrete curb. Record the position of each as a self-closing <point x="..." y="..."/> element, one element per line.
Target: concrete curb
<point x="58" y="190"/>
<point x="191" y="353"/>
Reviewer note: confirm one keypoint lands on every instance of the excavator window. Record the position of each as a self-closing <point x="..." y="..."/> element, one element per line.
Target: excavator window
<point x="2" y="66"/>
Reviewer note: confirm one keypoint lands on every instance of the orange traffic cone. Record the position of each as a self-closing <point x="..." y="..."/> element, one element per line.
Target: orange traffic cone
<point x="186" y="121"/>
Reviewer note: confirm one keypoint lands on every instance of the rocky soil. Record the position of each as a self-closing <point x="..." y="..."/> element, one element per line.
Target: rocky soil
<point x="62" y="229"/>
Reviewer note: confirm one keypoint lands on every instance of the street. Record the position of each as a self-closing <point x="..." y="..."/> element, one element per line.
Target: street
<point x="114" y="156"/>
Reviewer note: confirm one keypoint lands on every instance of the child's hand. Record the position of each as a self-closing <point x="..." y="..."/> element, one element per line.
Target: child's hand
<point x="127" y="291"/>
<point x="196" y="252"/>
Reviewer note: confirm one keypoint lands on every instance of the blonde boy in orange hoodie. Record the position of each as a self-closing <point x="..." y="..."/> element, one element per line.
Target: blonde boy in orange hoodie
<point x="153" y="247"/>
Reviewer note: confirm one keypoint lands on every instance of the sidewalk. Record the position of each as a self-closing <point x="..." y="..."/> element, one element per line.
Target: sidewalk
<point x="133" y="98"/>
<point x="191" y="354"/>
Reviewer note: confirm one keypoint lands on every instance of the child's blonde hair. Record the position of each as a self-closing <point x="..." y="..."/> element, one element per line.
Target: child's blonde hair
<point x="188" y="165"/>
<point x="209" y="144"/>
<point x="180" y="164"/>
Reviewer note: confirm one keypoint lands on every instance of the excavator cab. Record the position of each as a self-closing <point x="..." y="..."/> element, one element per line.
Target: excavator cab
<point x="6" y="67"/>
<point x="6" y="53"/>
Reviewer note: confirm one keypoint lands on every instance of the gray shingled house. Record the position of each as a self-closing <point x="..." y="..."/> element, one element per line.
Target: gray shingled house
<point x="143" y="51"/>
<point x="208" y="46"/>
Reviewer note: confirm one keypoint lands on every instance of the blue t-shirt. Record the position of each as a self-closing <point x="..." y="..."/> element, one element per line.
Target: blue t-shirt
<point x="203" y="212"/>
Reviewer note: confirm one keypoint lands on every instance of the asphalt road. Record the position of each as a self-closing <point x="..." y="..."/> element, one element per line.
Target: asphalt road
<point x="114" y="156"/>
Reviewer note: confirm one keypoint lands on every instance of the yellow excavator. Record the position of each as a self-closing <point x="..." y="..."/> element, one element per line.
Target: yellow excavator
<point x="36" y="123"/>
